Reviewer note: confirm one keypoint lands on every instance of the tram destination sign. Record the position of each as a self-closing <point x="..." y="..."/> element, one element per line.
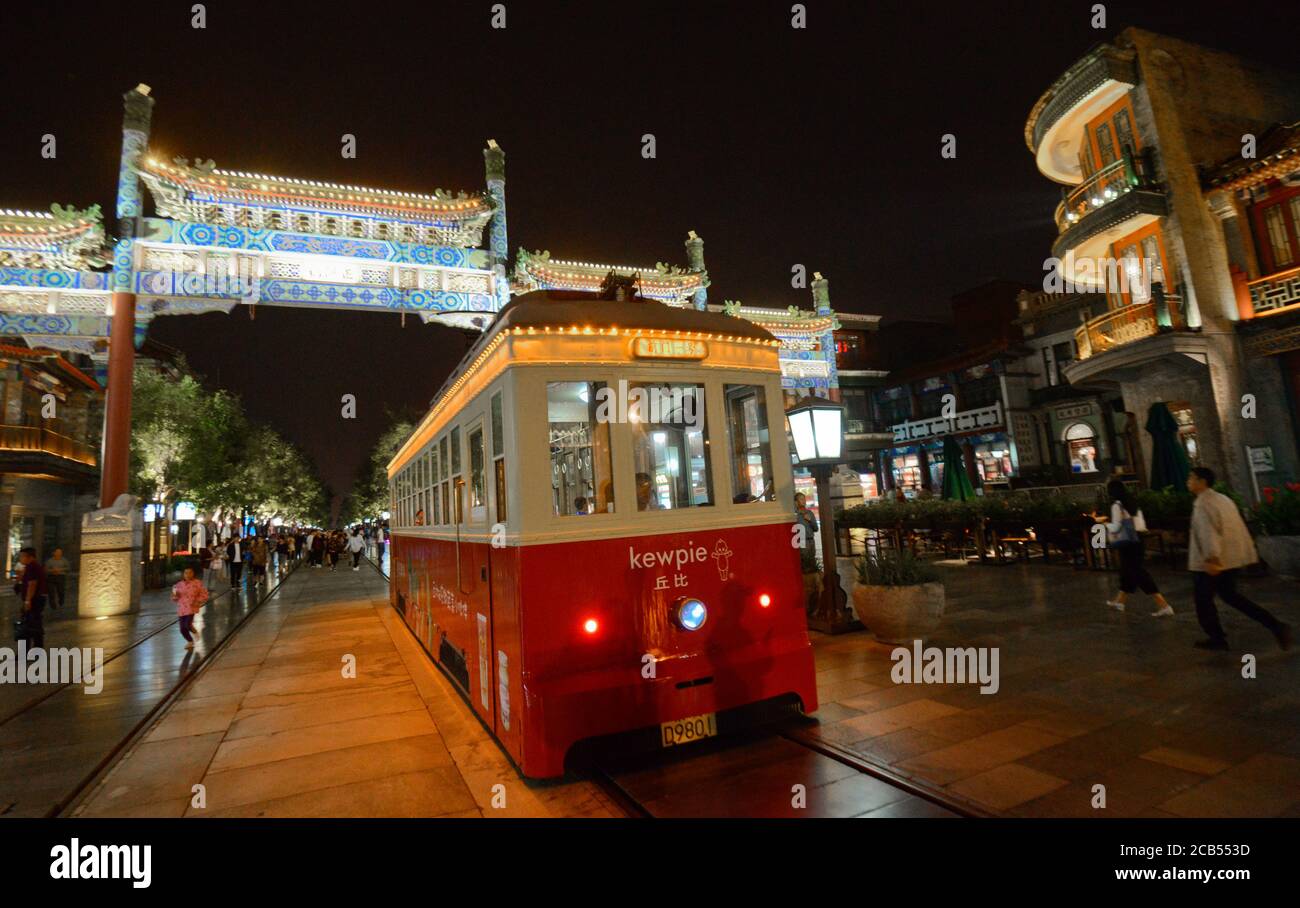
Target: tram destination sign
<point x="668" y="348"/>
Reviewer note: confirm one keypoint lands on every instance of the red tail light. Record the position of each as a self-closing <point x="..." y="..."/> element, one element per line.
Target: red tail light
<point x="765" y="600"/>
<point x="591" y="625"/>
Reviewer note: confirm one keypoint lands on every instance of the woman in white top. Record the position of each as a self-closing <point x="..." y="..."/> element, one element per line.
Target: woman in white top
<point x="1123" y="532"/>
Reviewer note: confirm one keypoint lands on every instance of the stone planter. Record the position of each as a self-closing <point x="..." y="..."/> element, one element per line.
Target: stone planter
<point x="899" y="614"/>
<point x="1281" y="554"/>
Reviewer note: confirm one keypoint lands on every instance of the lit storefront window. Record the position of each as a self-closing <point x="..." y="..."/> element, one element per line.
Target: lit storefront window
<point x="1182" y="413"/>
<point x="1081" y="445"/>
<point x="869" y="488"/>
<point x="907" y="472"/>
<point x="993" y="460"/>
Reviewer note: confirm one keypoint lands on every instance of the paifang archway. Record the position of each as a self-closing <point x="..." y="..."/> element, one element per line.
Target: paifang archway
<point x="220" y="239"/>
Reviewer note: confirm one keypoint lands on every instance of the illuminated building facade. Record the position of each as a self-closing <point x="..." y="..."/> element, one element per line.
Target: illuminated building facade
<point x="1127" y="131"/>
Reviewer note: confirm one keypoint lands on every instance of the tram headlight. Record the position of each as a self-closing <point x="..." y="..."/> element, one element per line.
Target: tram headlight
<point x="690" y="614"/>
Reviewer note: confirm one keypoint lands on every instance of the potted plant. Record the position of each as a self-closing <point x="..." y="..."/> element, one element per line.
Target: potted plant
<point x="1278" y="519"/>
<point x="898" y="597"/>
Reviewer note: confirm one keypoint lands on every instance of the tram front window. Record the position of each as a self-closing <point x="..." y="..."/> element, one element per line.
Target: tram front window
<point x="751" y="453"/>
<point x="581" y="475"/>
<point x="669" y="446"/>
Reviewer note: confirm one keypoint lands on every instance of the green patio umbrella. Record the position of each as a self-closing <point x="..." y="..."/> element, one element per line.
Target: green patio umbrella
<point x="1169" y="466"/>
<point x="956" y="484"/>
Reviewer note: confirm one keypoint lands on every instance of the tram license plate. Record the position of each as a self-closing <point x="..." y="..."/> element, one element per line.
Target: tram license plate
<point x="692" y="728"/>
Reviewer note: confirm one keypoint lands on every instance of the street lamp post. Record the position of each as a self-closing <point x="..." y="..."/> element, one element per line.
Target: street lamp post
<point x="817" y="426"/>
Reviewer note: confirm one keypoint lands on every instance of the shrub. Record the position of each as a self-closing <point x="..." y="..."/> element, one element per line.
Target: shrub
<point x="1279" y="513"/>
<point x="893" y="568"/>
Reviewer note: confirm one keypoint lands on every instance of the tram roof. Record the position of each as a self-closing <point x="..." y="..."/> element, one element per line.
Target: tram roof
<point x="568" y="308"/>
<point x="563" y="308"/>
<point x="578" y="314"/>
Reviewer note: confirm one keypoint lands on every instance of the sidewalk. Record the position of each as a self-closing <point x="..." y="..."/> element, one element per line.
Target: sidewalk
<point x="113" y="634"/>
<point x="1087" y="696"/>
<point x="49" y="749"/>
<point x="273" y="728"/>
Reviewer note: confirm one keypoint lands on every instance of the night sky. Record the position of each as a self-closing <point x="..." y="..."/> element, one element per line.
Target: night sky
<point x="778" y="146"/>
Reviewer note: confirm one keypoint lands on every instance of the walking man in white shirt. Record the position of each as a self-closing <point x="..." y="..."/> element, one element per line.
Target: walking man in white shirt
<point x="1219" y="546"/>
<point x="356" y="545"/>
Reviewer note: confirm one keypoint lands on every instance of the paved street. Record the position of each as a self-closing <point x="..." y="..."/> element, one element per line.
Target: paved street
<point x="273" y="728"/>
<point x="1088" y="696"/>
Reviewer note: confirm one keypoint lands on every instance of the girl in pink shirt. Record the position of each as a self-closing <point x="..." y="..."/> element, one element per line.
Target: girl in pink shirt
<point x="189" y="595"/>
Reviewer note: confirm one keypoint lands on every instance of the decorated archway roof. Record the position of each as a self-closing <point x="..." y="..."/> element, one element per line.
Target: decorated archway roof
<point x="783" y="322"/>
<point x="173" y="184"/>
<point x="669" y="283"/>
<point x="60" y="238"/>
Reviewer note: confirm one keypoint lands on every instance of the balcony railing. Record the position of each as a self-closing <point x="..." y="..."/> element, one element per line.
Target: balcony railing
<point x="965" y="421"/>
<point x="1106" y="185"/>
<point x="1127" y="324"/>
<point x="1275" y="292"/>
<point x="39" y="440"/>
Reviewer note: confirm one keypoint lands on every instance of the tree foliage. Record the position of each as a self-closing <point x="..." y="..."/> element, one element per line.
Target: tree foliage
<point x="191" y="444"/>
<point x="369" y="497"/>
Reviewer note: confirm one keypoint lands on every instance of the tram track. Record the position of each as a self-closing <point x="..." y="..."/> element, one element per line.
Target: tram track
<point x="115" y="747"/>
<point x="627" y="785"/>
<point x="611" y="779"/>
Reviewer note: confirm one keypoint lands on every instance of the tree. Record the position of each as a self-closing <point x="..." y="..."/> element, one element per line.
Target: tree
<point x="188" y="443"/>
<point x="183" y="438"/>
<point x="369" y="497"/>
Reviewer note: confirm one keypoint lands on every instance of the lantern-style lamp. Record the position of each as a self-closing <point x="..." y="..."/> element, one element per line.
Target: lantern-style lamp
<point x="818" y="430"/>
<point x="817" y="426"/>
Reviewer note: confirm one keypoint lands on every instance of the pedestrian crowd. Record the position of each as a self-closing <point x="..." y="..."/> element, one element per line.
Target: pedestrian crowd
<point x="238" y="558"/>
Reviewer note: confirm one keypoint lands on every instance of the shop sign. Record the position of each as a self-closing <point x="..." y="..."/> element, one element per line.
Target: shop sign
<point x="1074" y="412"/>
<point x="1261" y="458"/>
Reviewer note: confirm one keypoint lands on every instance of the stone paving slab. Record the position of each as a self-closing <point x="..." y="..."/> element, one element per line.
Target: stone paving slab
<point x="273" y="728"/>
<point x="1088" y="696"/>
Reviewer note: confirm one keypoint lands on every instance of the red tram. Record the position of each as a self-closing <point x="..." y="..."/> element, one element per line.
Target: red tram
<point x="652" y="583"/>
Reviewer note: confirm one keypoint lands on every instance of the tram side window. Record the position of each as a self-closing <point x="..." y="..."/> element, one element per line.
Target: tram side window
<point x="444" y="467"/>
<point x="499" y="456"/>
<point x="751" y="449"/>
<point x="477" y="474"/>
<point x="457" y="482"/>
<point x="669" y="446"/>
<point x="416" y="516"/>
<point x="582" y="478"/>
<point x="427" y="487"/>
<point x="434" y="501"/>
<point x="425" y="509"/>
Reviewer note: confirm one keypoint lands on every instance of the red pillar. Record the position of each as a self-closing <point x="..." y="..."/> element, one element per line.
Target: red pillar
<point x="115" y="462"/>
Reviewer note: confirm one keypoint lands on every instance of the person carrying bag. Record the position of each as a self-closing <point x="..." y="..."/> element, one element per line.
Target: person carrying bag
<point x="1124" y="534"/>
